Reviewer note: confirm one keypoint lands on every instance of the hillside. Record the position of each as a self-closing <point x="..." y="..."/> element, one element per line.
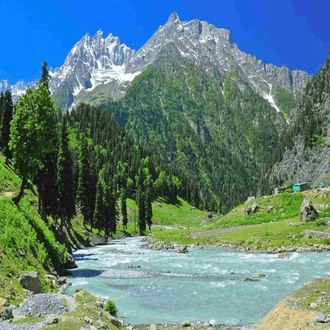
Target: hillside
<point x="303" y="152"/>
<point x="274" y="227"/>
<point x="27" y="243"/>
<point x="209" y="126"/>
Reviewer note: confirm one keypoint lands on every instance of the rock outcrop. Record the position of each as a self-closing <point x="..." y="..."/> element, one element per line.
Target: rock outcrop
<point x="30" y="281"/>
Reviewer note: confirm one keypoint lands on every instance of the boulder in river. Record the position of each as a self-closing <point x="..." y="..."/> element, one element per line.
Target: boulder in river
<point x="30" y="281"/>
<point x="98" y="240"/>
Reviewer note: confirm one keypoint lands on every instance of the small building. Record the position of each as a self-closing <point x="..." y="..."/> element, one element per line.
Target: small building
<point x="301" y="186"/>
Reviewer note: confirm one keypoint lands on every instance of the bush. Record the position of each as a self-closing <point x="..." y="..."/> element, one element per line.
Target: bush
<point x="111" y="308"/>
<point x="320" y="222"/>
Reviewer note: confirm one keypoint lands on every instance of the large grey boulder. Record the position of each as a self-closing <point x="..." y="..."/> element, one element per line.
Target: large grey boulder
<point x="307" y="211"/>
<point x="30" y="281"/>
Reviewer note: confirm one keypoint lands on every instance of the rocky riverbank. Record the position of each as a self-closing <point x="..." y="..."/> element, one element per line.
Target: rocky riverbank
<point x="186" y="325"/>
<point x="150" y="243"/>
<point x="78" y="311"/>
<point x="295" y="248"/>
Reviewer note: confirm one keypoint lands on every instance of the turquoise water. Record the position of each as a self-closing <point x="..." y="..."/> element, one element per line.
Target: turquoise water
<point x="198" y="286"/>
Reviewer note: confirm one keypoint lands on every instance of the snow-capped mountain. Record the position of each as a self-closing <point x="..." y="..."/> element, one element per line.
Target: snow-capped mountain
<point x="205" y="45"/>
<point x="96" y="61"/>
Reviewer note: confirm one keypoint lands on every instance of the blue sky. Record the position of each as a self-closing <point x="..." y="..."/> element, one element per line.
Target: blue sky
<point x="294" y="33"/>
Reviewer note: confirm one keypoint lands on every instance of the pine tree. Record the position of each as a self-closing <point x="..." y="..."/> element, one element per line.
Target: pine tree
<point x="44" y="79"/>
<point x="65" y="177"/>
<point x="84" y="181"/>
<point x="98" y="217"/>
<point x="140" y="200"/>
<point x="110" y="209"/>
<point x="123" y="206"/>
<point x="6" y="118"/>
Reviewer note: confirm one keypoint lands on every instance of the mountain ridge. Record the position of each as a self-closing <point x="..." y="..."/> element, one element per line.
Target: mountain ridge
<point x="96" y="61"/>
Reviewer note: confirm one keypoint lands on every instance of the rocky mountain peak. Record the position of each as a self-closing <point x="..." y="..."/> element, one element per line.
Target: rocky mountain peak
<point x="97" y="60"/>
<point x="174" y="17"/>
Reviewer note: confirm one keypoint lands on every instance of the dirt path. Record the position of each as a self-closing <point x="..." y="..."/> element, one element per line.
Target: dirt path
<point x="221" y="231"/>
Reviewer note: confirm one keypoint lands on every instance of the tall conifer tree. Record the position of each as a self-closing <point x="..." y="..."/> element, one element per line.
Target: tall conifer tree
<point x="6" y="118"/>
<point x="65" y="179"/>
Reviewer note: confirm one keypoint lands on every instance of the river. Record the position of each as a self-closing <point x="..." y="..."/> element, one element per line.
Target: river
<point x="201" y="285"/>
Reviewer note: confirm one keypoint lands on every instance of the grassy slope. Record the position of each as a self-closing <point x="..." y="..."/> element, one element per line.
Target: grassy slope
<point x="272" y="224"/>
<point x="167" y="214"/>
<point x="26" y="243"/>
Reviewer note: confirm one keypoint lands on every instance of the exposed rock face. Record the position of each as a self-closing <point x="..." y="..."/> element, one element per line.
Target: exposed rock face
<point x="304" y="164"/>
<point x="307" y="211"/>
<point x="30" y="281"/>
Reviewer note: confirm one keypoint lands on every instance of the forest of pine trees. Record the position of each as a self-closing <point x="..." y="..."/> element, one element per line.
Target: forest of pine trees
<point x="83" y="161"/>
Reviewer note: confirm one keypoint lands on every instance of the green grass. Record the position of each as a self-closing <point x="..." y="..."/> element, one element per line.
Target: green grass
<point x="168" y="214"/>
<point x="30" y="319"/>
<point x="310" y="292"/>
<point x="271" y="230"/>
<point x="26" y="242"/>
<point x="285" y="206"/>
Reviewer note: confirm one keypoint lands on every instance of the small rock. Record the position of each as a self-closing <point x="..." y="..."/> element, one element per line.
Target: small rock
<point x="78" y="289"/>
<point x="114" y="320"/>
<point x="92" y="328"/>
<point x="61" y="280"/>
<point x="320" y="318"/>
<point x="7" y="313"/>
<point x="100" y="314"/>
<point x="3" y="303"/>
<point x="129" y="327"/>
<point x="269" y="208"/>
<point x="88" y="320"/>
<point x="50" y="278"/>
<point x="99" y="304"/>
<point x="105" y="327"/>
<point x="52" y="320"/>
<point x="313" y="305"/>
<point x="213" y="322"/>
<point x="284" y="255"/>
<point x="258" y="275"/>
<point x="153" y="327"/>
<point x="185" y="323"/>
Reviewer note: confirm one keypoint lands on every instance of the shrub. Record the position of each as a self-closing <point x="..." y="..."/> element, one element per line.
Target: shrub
<point x="111" y="308"/>
<point x="320" y="222"/>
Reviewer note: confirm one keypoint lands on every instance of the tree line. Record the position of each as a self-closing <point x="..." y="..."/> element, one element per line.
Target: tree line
<point x="83" y="161"/>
